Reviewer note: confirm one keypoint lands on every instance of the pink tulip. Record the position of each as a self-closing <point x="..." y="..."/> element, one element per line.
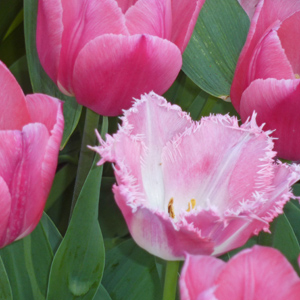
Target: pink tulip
<point x="196" y="187"/>
<point x="253" y="274"/>
<point x="267" y="75"/>
<point x="31" y="132"/>
<point x="107" y="51"/>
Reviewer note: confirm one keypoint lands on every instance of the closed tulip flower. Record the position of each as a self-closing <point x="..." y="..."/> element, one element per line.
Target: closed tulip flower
<point x="31" y="132"/>
<point x="194" y="187"/>
<point x="267" y="74"/>
<point x="104" y="52"/>
<point x="256" y="273"/>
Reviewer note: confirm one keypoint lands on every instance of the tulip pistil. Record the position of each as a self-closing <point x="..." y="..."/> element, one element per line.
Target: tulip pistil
<point x="171" y="208"/>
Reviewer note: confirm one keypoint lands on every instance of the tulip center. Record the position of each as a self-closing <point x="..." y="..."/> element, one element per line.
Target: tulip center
<point x="171" y="212"/>
<point x="297" y="76"/>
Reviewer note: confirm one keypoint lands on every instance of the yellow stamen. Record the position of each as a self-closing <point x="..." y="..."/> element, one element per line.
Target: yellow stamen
<point x="297" y="76"/>
<point x="191" y="205"/>
<point x="171" y="208"/>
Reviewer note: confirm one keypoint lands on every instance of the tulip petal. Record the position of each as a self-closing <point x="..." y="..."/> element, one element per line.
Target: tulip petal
<point x="212" y="178"/>
<point x="12" y="102"/>
<point x="83" y="21"/>
<point x="269" y="60"/>
<point x="289" y="32"/>
<point x="198" y="275"/>
<point x="138" y="64"/>
<point x="272" y="99"/>
<point x="139" y="127"/>
<point x="5" y="209"/>
<point x="48" y="111"/>
<point x="150" y="17"/>
<point x="26" y="185"/>
<point x="183" y="23"/>
<point x="49" y="35"/>
<point x="125" y="4"/>
<point x="268" y="15"/>
<point x="249" y="6"/>
<point x="154" y="230"/>
<point x="248" y="276"/>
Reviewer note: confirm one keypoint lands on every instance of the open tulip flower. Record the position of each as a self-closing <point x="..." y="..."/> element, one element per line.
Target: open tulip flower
<point x="107" y="51"/>
<point x="267" y="74"/>
<point x="253" y="274"/>
<point x="194" y="187"/>
<point x="31" y="132"/>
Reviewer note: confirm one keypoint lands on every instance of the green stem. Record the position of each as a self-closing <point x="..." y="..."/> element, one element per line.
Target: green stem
<point x="171" y="279"/>
<point x="86" y="155"/>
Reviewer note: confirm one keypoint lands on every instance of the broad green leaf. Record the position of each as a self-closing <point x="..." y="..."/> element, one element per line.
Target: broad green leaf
<point x="292" y="213"/>
<point x="296" y="189"/>
<point x="130" y="273"/>
<point x="212" y="53"/>
<point x="52" y="233"/>
<point x="102" y="294"/>
<point x="41" y="83"/>
<point x="78" y="264"/>
<point x="63" y="178"/>
<point x="283" y="238"/>
<point x="5" y="288"/>
<point x="111" y="227"/>
<point x="27" y="263"/>
<point x="9" y="9"/>
<point x="192" y="99"/>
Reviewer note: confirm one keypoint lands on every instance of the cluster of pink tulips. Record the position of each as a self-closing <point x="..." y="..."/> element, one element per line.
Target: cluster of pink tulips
<point x="188" y="190"/>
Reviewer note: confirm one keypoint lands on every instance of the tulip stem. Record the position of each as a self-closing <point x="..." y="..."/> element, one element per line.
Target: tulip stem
<point x="171" y="278"/>
<point x="86" y="155"/>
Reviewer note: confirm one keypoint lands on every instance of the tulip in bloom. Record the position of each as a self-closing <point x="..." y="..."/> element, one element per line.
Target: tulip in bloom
<point x="31" y="132"/>
<point x="107" y="51"/>
<point x="253" y="274"/>
<point x="194" y="187"/>
<point x="267" y="74"/>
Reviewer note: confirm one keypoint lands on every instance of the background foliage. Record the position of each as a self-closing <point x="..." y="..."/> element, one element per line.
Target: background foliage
<point x="92" y="256"/>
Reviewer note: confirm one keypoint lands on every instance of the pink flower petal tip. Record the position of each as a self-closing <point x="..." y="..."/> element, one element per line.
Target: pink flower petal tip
<point x="194" y="187"/>
<point x="267" y="76"/>
<point x="256" y="273"/>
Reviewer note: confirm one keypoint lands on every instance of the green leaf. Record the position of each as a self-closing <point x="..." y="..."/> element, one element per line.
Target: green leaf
<point x="41" y="83"/>
<point x="131" y="274"/>
<point x="111" y="227"/>
<point x="54" y="237"/>
<point x="8" y="12"/>
<point x="79" y="261"/>
<point x="20" y="70"/>
<point x="192" y="99"/>
<point x="212" y="53"/>
<point x="5" y="288"/>
<point x="27" y="263"/>
<point x="283" y="238"/>
<point x="292" y="213"/>
<point x="63" y="178"/>
<point x="102" y="294"/>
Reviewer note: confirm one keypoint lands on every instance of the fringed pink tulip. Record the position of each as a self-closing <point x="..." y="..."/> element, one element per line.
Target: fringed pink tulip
<point x="194" y="187"/>
<point x="253" y="274"/>
<point x="267" y="74"/>
<point x="31" y="132"/>
<point x="107" y="51"/>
